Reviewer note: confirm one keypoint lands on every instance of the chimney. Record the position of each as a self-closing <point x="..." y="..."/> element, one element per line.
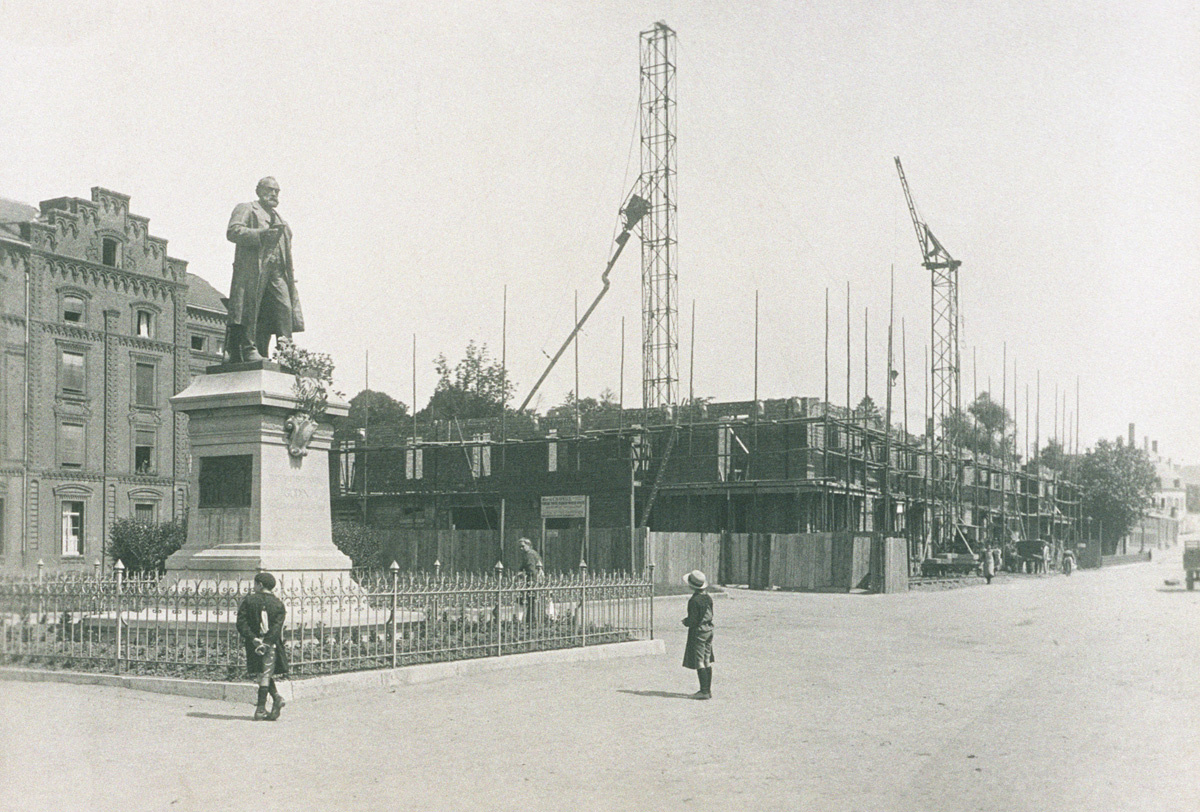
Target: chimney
<point x="1155" y="447"/>
<point x="1132" y="437"/>
<point x="1145" y="442"/>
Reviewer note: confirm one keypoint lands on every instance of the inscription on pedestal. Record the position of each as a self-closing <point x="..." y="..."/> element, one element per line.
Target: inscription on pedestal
<point x="225" y="482"/>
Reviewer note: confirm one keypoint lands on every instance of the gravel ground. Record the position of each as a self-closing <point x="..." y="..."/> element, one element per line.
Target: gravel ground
<point x="1054" y="693"/>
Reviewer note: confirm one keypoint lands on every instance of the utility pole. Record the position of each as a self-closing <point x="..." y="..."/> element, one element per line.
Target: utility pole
<point x="887" y="422"/>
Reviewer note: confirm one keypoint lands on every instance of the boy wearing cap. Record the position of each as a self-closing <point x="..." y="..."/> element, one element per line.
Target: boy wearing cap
<point x="699" y="651"/>
<point x="260" y="624"/>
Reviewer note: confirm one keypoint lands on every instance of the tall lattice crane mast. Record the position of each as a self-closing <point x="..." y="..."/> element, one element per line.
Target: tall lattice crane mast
<point x="660" y="279"/>
<point x="946" y="398"/>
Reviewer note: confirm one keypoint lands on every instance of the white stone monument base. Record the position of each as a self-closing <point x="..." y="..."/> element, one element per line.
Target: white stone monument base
<point x="254" y="505"/>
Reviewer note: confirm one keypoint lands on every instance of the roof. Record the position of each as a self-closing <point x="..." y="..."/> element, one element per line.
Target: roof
<point x="204" y="296"/>
<point x="13" y="212"/>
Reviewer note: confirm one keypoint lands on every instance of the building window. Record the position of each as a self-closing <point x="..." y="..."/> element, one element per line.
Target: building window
<point x="198" y="343"/>
<point x="144" y="512"/>
<point x="220" y="350"/>
<point x="481" y="456"/>
<point x="143" y="451"/>
<point x="72" y="309"/>
<point x="143" y="384"/>
<point x="145" y="324"/>
<point x="72" y="528"/>
<point x="111" y="253"/>
<point x="71" y="372"/>
<point x="70" y="445"/>
<point x="414" y="463"/>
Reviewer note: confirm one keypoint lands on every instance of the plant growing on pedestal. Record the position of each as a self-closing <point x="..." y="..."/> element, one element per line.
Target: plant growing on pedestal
<point x="313" y="373"/>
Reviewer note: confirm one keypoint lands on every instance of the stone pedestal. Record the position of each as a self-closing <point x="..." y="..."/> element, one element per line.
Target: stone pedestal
<point x="253" y="506"/>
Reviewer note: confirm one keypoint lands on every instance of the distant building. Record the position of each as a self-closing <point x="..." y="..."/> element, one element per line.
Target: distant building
<point x="100" y="328"/>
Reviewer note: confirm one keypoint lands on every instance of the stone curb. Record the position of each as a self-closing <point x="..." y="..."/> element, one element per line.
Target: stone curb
<point x="337" y="684"/>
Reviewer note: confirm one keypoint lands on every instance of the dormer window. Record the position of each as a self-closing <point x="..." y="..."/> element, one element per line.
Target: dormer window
<point x="110" y="253"/>
<point x="72" y="309"/>
<point x="145" y="324"/>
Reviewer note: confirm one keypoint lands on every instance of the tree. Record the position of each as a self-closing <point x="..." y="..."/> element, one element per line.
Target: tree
<point x="1118" y="483"/>
<point x="373" y="408"/>
<point x="143" y="547"/>
<point x="867" y="410"/>
<point x="958" y="428"/>
<point x="475" y="387"/>
<point x="588" y="407"/>
<point x="982" y="428"/>
<point x="991" y="425"/>
<point x="1053" y="456"/>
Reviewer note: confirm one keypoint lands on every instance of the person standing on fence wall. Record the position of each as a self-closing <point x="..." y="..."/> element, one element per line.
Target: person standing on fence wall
<point x="533" y="572"/>
<point x="260" y="624"/>
<point x="698" y="654"/>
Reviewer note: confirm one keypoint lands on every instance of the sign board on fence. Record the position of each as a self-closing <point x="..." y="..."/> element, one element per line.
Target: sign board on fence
<point x="564" y="507"/>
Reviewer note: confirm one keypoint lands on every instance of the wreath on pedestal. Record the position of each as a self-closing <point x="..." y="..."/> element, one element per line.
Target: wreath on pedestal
<point x="313" y="373"/>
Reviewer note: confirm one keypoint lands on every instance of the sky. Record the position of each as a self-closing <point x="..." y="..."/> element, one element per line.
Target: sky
<point x="436" y="157"/>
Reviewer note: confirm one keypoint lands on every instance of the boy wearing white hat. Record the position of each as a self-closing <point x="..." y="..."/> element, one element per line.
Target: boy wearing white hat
<point x="699" y="651"/>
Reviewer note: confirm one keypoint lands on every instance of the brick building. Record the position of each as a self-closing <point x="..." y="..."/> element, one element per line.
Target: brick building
<point x="100" y="327"/>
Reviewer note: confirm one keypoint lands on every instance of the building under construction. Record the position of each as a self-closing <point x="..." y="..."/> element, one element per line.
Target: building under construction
<point x="776" y="466"/>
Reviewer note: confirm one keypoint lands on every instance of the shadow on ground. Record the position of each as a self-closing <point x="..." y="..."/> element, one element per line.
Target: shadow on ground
<point x="225" y="717"/>
<point x="659" y="694"/>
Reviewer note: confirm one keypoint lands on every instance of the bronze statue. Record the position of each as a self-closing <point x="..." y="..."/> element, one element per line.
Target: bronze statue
<point x="263" y="301"/>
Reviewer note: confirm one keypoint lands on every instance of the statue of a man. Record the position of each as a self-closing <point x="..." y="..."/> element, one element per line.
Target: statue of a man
<point x="262" y="297"/>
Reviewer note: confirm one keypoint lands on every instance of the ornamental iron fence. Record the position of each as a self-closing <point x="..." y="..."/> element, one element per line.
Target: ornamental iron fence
<point x="336" y="621"/>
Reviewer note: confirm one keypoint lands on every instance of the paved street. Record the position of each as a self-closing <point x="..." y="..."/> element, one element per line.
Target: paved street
<point x="1055" y="693"/>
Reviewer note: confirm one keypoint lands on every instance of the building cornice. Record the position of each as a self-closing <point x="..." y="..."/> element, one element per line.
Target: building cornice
<point x="108" y="276"/>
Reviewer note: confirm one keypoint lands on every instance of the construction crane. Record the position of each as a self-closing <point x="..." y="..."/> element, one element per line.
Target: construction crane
<point x="946" y="400"/>
<point x="632" y="212"/>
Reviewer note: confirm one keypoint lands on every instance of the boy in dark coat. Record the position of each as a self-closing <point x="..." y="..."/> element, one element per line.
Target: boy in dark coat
<point x="699" y="651"/>
<point x="260" y="624"/>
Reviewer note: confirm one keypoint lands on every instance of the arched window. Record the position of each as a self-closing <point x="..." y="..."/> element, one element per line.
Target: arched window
<point x="73" y="308"/>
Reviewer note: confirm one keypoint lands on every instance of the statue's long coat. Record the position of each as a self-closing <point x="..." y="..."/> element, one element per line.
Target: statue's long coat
<point x="247" y="230"/>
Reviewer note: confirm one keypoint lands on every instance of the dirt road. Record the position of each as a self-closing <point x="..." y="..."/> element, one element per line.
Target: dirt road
<point x="1034" y="693"/>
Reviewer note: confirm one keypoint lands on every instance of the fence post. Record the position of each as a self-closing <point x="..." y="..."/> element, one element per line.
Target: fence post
<point x="499" y="605"/>
<point x="395" y="618"/>
<point x="583" y="572"/>
<point x="119" y="569"/>
<point x="651" y="601"/>
<point x="41" y="601"/>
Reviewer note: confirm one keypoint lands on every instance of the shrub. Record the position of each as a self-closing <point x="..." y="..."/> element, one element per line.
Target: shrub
<point x="362" y="544"/>
<point x="144" y="546"/>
